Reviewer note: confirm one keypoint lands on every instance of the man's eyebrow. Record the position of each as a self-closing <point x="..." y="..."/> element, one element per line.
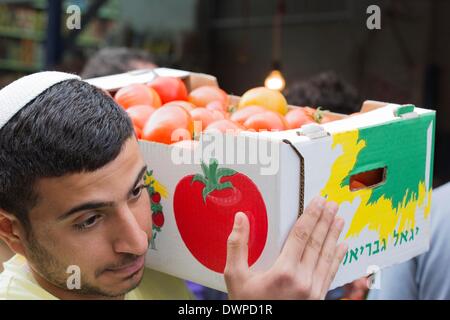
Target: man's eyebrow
<point x="139" y="177"/>
<point x="85" y="206"/>
<point x="99" y="204"/>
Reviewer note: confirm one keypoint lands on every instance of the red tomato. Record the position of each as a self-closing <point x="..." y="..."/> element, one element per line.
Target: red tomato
<point x="158" y="219"/>
<point x="224" y="126"/>
<point x="138" y="132"/>
<point x="243" y="114"/>
<point x="217" y="105"/>
<point x="268" y="120"/>
<point x="169" y="89"/>
<point x="203" y="115"/>
<point x="297" y="117"/>
<point x="201" y="96"/>
<point x="186" y="105"/>
<point x="139" y="114"/>
<point x="205" y="207"/>
<point x="136" y="94"/>
<point x="167" y="124"/>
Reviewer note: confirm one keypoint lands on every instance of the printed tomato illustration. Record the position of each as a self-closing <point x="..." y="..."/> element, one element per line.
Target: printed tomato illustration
<point x="205" y="206"/>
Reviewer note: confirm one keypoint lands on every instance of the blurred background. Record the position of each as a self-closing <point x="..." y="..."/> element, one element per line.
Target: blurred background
<point x="242" y="41"/>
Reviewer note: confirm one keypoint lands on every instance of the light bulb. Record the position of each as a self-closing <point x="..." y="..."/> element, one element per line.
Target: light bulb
<point x="275" y="81"/>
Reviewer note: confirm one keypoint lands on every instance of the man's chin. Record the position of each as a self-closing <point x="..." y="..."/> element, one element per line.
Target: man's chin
<point x="127" y="284"/>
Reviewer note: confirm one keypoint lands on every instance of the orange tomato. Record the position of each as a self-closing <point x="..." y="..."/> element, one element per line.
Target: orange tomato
<point x="186" y="105"/>
<point x="240" y="116"/>
<point x="217" y="105"/>
<point x="139" y="114"/>
<point x="224" y="126"/>
<point x="272" y="100"/>
<point x="136" y="94"/>
<point x="268" y="120"/>
<point x="138" y="132"/>
<point x="297" y="117"/>
<point x="203" y="95"/>
<point x="169" y="89"/>
<point x="167" y="124"/>
<point x="204" y="116"/>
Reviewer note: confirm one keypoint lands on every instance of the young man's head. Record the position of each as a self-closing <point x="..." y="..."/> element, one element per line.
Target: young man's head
<point x="110" y="61"/>
<point x="325" y="90"/>
<point x="71" y="190"/>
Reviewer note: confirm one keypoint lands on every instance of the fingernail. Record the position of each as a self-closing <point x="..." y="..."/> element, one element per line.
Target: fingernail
<point x="339" y="223"/>
<point x="238" y="219"/>
<point x="320" y="202"/>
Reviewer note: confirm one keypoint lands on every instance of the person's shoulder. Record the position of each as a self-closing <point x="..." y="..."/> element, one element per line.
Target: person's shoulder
<point x="440" y="208"/>
<point x="156" y="285"/>
<point x="16" y="282"/>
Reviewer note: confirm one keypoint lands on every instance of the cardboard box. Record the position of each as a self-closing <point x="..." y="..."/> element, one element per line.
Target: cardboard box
<point x="272" y="176"/>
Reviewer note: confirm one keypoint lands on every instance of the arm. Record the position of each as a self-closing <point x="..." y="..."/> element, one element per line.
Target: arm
<point x="306" y="266"/>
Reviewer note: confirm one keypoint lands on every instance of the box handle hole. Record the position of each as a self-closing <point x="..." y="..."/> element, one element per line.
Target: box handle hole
<point x="368" y="179"/>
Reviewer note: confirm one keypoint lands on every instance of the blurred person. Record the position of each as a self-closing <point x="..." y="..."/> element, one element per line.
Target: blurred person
<point x="326" y="90"/>
<point x="72" y="193"/>
<point x="425" y="277"/>
<point x="108" y="61"/>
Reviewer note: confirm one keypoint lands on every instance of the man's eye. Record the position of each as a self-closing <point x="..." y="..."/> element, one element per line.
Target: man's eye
<point x="87" y="223"/>
<point x="137" y="192"/>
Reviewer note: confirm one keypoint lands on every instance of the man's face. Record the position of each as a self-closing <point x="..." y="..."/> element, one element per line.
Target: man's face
<point x="99" y="221"/>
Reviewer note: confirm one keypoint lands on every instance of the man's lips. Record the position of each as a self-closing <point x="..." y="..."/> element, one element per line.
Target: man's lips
<point x="130" y="268"/>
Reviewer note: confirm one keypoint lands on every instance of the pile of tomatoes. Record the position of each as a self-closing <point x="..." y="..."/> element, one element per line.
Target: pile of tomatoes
<point x="164" y="111"/>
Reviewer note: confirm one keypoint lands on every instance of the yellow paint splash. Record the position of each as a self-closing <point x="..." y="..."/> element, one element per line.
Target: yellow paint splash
<point x="157" y="186"/>
<point x="379" y="216"/>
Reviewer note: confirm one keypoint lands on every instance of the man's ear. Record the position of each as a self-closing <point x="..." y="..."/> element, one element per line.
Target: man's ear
<point x="11" y="232"/>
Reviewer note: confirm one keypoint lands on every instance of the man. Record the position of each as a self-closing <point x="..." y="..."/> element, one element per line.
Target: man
<point x="72" y="194"/>
<point x="109" y="61"/>
<point x="426" y="277"/>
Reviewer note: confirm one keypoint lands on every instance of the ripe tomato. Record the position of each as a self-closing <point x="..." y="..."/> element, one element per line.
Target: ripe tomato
<point x="167" y="124"/>
<point x="297" y="117"/>
<point x="138" y="132"/>
<point x="243" y="114"/>
<point x="272" y="100"/>
<point x="217" y="105"/>
<point x="139" y="114"/>
<point x="204" y="116"/>
<point x="203" y="95"/>
<point x="224" y="126"/>
<point x="136" y="94"/>
<point x="186" y="105"/>
<point x="169" y="89"/>
<point x="205" y="206"/>
<point x="267" y="120"/>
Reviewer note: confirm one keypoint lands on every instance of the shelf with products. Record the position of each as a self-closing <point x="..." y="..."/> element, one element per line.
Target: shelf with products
<point x="26" y="22"/>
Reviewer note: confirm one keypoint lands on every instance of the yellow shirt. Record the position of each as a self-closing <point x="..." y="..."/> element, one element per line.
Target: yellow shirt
<point x="17" y="283"/>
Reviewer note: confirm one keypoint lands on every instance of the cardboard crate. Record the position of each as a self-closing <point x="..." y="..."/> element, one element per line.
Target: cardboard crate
<point x="385" y="224"/>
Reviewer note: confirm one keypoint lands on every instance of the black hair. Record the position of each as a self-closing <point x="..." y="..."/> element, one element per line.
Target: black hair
<point x="325" y="90"/>
<point x="71" y="127"/>
<point x="108" y="61"/>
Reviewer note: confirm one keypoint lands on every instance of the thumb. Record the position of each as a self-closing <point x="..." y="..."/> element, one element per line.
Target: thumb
<point x="237" y="250"/>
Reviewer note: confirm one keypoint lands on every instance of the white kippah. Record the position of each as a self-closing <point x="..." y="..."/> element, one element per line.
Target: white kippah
<point x="19" y="93"/>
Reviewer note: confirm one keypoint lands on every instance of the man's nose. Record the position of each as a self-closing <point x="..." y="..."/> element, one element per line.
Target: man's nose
<point x="130" y="237"/>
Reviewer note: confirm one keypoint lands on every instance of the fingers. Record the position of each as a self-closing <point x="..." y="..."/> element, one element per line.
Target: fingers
<point x="324" y="230"/>
<point x="338" y="257"/>
<point x="327" y="255"/>
<point x="296" y="242"/>
<point x="236" y="267"/>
